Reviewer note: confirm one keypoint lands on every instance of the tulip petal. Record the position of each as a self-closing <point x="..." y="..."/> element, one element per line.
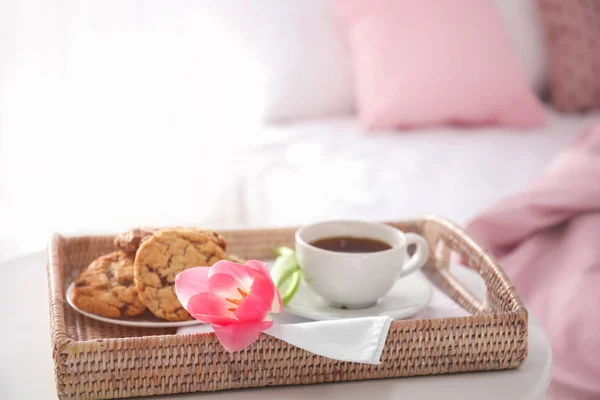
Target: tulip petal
<point x="259" y="266"/>
<point x="253" y="308"/>
<point x="191" y="282"/>
<point x="214" y="320"/>
<point x="242" y="274"/>
<point x="212" y="309"/>
<point x="225" y="285"/>
<point x="236" y="337"/>
<point x="263" y="288"/>
<point x="276" y="304"/>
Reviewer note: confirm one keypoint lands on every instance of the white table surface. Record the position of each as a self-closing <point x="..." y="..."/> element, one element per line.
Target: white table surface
<point x="26" y="368"/>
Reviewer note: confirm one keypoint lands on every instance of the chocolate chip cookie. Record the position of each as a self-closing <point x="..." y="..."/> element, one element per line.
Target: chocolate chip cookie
<point x="130" y="241"/>
<point x="160" y="258"/>
<point x="106" y="287"/>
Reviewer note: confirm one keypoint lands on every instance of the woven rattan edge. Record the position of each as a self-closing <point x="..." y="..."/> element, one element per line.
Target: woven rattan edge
<point x="58" y="332"/>
<point x="237" y="374"/>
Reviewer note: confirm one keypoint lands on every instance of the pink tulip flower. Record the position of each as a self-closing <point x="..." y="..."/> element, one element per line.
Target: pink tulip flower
<point x="235" y="299"/>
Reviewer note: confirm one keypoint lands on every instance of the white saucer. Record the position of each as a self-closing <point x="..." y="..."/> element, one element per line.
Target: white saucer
<point x="406" y="298"/>
<point x="146" y="320"/>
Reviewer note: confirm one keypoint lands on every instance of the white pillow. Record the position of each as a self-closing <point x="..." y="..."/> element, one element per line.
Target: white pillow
<point x="303" y="63"/>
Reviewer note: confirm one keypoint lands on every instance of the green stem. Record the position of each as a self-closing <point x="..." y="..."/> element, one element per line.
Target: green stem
<point x="286" y="276"/>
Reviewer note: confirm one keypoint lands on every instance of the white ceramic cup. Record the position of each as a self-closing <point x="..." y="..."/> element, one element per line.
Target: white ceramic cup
<point x="357" y="280"/>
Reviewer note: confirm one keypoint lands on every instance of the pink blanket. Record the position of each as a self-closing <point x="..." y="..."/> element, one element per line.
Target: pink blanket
<point x="547" y="238"/>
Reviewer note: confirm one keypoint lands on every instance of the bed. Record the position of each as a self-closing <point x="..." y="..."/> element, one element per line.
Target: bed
<point x="332" y="169"/>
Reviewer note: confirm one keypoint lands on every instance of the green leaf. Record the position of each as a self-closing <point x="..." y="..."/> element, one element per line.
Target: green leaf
<point x="283" y="250"/>
<point x="286" y="273"/>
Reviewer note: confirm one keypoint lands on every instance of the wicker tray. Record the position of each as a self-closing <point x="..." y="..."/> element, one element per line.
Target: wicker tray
<point x="98" y="360"/>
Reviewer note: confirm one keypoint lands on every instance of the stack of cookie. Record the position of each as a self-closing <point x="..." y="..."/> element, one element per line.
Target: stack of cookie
<point x="141" y="274"/>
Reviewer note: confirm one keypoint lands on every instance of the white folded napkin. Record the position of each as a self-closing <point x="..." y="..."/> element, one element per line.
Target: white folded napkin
<point x="355" y="339"/>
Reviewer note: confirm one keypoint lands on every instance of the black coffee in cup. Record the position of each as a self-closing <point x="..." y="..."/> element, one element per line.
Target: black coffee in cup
<point x="349" y="244"/>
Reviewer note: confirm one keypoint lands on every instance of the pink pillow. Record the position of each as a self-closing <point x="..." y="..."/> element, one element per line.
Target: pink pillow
<point x="573" y="42"/>
<point x="432" y="62"/>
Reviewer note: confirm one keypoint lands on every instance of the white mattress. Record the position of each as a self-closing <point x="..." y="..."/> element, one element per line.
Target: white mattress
<point x="331" y="169"/>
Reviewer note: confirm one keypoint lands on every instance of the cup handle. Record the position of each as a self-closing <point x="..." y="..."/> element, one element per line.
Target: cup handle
<point x="419" y="258"/>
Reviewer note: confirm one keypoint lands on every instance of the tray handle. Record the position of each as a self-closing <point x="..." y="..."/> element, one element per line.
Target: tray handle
<point x="444" y="238"/>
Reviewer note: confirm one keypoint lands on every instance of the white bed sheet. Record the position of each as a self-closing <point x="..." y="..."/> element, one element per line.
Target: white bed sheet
<point x="332" y="169"/>
<point x="269" y="176"/>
